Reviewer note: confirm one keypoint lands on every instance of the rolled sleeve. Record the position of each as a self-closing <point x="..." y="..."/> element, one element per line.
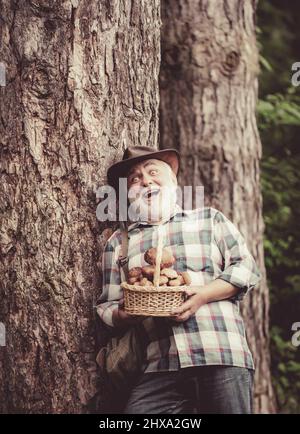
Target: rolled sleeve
<point x="239" y="268"/>
<point x="111" y="289"/>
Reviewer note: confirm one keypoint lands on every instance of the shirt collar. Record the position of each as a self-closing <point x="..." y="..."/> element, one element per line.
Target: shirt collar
<point x="177" y="210"/>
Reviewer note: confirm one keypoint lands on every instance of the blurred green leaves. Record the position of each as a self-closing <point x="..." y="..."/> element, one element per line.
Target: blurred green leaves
<point x="278" y="115"/>
<point x="278" y="110"/>
<point x="286" y="372"/>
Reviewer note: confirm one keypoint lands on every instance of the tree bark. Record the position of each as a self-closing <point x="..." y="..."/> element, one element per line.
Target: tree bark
<point x="82" y="82"/>
<point x="208" y="94"/>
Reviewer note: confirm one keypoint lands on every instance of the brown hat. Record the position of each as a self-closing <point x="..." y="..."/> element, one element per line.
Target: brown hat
<point x="135" y="154"/>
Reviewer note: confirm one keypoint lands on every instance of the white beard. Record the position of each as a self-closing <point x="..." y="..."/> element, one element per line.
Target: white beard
<point x="159" y="208"/>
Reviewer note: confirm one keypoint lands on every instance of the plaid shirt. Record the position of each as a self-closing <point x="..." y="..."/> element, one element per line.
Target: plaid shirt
<point x="207" y="245"/>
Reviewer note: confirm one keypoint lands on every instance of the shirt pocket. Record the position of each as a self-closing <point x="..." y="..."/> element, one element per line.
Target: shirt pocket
<point x="192" y="257"/>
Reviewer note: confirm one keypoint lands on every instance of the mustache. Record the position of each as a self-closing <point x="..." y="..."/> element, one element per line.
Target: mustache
<point x="137" y="192"/>
<point x="148" y="205"/>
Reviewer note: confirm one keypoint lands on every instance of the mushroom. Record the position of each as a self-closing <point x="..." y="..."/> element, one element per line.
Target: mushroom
<point x="148" y="271"/>
<point x="145" y="282"/>
<point x="167" y="259"/>
<point x="135" y="272"/>
<point x="176" y="282"/>
<point x="163" y="280"/>
<point x="169" y="272"/>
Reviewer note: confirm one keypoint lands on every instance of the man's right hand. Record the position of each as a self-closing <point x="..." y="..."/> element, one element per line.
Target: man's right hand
<point x="122" y="318"/>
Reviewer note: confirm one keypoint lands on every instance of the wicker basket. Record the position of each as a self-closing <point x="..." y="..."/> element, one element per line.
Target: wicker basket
<point x="153" y="300"/>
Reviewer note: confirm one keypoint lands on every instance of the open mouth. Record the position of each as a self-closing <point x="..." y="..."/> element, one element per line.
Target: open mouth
<point x="151" y="193"/>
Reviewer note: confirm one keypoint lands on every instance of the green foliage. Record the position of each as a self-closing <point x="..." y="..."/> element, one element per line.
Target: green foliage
<point x="279" y="109"/>
<point x="278" y="114"/>
<point x="286" y="371"/>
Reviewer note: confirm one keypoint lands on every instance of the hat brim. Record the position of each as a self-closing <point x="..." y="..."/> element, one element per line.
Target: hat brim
<point x="121" y="168"/>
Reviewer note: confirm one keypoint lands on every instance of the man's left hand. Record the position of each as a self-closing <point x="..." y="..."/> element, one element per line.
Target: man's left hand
<point x="195" y="300"/>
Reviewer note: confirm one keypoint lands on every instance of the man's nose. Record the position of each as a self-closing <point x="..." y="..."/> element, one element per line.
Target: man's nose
<point x="146" y="180"/>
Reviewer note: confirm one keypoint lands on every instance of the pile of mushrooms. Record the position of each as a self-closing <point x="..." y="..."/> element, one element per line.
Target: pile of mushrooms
<point x="144" y="276"/>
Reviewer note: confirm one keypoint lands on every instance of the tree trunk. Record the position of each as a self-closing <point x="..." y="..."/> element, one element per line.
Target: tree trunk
<point x="81" y="81"/>
<point x="208" y="85"/>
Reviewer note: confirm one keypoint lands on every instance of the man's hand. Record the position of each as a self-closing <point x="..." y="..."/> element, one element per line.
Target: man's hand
<point x="188" y="308"/>
<point x="216" y="290"/>
<point x="122" y="318"/>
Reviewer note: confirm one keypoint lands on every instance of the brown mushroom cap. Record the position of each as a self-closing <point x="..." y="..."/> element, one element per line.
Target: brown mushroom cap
<point x="176" y="282"/>
<point x="163" y="280"/>
<point x="148" y="271"/>
<point x="169" y="272"/>
<point x="135" y="272"/>
<point x="167" y="259"/>
<point x="144" y="282"/>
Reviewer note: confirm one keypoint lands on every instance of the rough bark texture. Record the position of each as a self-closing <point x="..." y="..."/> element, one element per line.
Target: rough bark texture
<point x="82" y="82"/>
<point x="208" y="84"/>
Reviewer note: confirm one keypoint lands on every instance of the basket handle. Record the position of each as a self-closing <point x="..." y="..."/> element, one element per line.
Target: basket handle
<point x="158" y="256"/>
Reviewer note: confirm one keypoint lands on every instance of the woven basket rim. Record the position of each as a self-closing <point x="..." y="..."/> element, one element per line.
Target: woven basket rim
<point x="153" y="289"/>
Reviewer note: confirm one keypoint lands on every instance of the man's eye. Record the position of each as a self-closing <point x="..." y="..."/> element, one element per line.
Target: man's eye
<point x="135" y="179"/>
<point x="153" y="172"/>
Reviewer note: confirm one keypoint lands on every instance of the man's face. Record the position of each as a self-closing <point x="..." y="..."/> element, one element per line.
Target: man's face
<point x="151" y="172"/>
<point x="153" y="182"/>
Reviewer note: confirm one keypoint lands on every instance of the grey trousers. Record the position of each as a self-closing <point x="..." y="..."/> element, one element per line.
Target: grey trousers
<point x="195" y="390"/>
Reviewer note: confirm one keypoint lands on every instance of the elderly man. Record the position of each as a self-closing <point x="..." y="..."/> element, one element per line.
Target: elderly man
<point x="197" y="361"/>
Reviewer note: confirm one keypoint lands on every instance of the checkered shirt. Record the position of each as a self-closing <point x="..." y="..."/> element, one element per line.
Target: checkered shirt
<point x="209" y="246"/>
